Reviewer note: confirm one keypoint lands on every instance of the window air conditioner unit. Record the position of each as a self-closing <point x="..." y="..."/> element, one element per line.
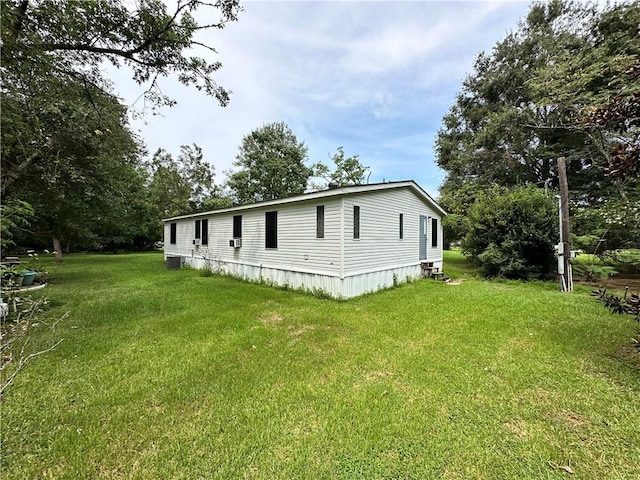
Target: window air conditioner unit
<point x="196" y="242"/>
<point x="235" y="243"/>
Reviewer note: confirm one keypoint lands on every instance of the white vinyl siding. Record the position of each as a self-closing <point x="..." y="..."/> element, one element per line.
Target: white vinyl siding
<point x="184" y="238"/>
<point x="298" y="247"/>
<point x="379" y="245"/>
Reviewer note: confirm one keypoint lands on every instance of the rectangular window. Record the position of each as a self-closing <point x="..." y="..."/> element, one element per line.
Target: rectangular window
<point x="197" y="235"/>
<point x="237" y="226"/>
<point x="172" y="235"/>
<point x="434" y="232"/>
<point x="320" y="221"/>
<point x="271" y="229"/>
<point x="401" y="226"/>
<point x="356" y="222"/>
<point x="205" y="232"/>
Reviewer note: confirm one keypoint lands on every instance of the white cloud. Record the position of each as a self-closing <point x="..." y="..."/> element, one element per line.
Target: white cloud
<point x="373" y="77"/>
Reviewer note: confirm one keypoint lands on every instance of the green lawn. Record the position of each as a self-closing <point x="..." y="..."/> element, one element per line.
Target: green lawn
<point x="169" y="374"/>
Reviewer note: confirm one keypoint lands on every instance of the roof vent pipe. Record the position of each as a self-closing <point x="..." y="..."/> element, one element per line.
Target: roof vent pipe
<point x="333" y="185"/>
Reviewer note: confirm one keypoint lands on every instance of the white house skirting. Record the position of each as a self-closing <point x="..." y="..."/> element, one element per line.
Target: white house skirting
<point x="350" y="286"/>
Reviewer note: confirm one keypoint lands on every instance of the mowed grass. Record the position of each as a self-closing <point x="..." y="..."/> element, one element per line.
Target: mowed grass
<point x="169" y="374"/>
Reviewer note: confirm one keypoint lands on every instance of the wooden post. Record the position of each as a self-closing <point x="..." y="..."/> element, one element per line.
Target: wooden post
<point x="565" y="231"/>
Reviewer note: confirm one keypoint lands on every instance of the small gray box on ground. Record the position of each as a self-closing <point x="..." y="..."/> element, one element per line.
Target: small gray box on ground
<point x="174" y="263"/>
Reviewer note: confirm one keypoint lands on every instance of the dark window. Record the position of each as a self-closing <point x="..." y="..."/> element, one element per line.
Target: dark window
<point x="356" y="222"/>
<point x="271" y="230"/>
<point x="172" y="235"/>
<point x="237" y="226"/>
<point x="401" y="226"/>
<point x="320" y="221"/>
<point x="205" y="232"/>
<point x="197" y="229"/>
<point x="434" y="232"/>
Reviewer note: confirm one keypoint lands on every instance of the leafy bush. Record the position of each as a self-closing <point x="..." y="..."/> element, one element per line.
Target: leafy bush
<point x="512" y="233"/>
<point x="454" y="228"/>
<point x="626" y="261"/>
<point x="13" y="217"/>
<point x="616" y="224"/>
<point x="588" y="243"/>
<point x="594" y="273"/>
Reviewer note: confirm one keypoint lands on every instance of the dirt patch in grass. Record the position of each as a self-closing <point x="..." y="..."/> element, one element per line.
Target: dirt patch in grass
<point x="569" y="418"/>
<point x="617" y="282"/>
<point x="299" y="331"/>
<point x="378" y="374"/>
<point x="518" y="428"/>
<point x="630" y="354"/>
<point x="270" y="318"/>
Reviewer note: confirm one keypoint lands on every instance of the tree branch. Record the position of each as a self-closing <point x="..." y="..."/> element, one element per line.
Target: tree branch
<point x="14" y="174"/>
<point x="22" y="363"/>
<point x="47" y="47"/>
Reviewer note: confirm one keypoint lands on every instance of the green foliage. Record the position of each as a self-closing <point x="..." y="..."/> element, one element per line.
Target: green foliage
<point x="347" y="171"/>
<point x="456" y="197"/>
<point x="66" y="145"/>
<point x="10" y="278"/>
<point x="86" y="187"/>
<point x="626" y="261"/>
<point x="169" y="189"/>
<point x="75" y="38"/>
<point x="593" y="272"/>
<point x="616" y="223"/>
<point x="183" y="185"/>
<point x="512" y="233"/>
<point x="269" y="165"/>
<point x="587" y="243"/>
<point x="454" y="227"/>
<point x="598" y="89"/>
<point x="217" y="201"/>
<point x="564" y="83"/>
<point x="13" y="216"/>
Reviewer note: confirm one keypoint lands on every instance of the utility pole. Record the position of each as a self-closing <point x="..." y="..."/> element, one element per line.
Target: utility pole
<point x="566" y="275"/>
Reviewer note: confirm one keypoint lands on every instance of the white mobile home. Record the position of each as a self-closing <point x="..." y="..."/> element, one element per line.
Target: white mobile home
<point x="345" y="241"/>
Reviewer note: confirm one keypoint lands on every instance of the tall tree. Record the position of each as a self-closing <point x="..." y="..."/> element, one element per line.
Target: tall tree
<point x="68" y="42"/>
<point x="488" y="136"/>
<point x="596" y="89"/>
<point x="270" y="165"/>
<point x="182" y="185"/>
<point x="89" y="168"/>
<point x="536" y="96"/>
<point x="346" y="170"/>
<point x="65" y="140"/>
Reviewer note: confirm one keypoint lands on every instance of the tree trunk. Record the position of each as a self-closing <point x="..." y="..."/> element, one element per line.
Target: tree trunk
<point x="57" y="249"/>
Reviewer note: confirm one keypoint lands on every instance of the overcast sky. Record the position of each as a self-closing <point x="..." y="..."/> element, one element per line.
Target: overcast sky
<point x="373" y="77"/>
